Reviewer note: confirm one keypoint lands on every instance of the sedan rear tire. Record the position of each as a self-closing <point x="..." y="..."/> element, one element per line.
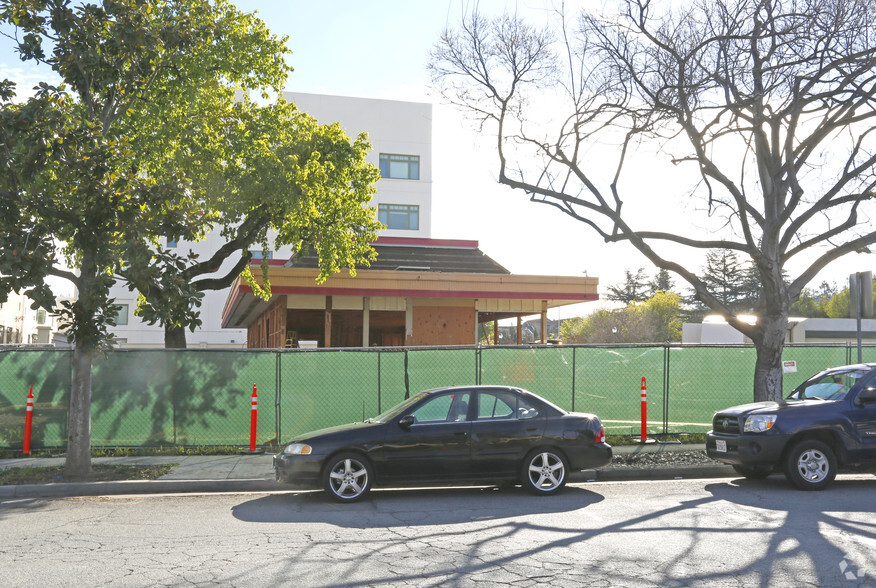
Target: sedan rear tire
<point x="544" y="472"/>
<point x="347" y="477"/>
<point x="810" y="465"/>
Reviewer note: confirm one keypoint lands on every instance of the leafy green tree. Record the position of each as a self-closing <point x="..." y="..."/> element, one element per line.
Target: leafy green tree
<point x="269" y="169"/>
<point x="633" y="288"/>
<point x="92" y="168"/>
<point x="663" y="312"/>
<point x="662" y="282"/>
<point x="654" y="320"/>
<point x="838" y="305"/>
<point x="808" y="306"/>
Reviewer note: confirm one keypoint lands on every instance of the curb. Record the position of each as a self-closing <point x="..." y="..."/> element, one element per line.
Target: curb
<point x="69" y="489"/>
<point x="676" y="473"/>
<point x="73" y="489"/>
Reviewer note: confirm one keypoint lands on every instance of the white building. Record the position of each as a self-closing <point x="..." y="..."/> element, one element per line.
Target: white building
<point x="715" y="330"/>
<point x="22" y="325"/>
<point x="401" y="139"/>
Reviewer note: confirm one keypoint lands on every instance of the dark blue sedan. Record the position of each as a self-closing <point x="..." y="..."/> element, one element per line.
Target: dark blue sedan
<point x="468" y="435"/>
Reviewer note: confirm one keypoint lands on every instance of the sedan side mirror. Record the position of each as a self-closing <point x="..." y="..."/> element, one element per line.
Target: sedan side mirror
<point x="866" y="396"/>
<point x="406" y="421"/>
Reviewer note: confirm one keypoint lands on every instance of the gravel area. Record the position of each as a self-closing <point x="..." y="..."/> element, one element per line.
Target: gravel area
<point x="653" y="459"/>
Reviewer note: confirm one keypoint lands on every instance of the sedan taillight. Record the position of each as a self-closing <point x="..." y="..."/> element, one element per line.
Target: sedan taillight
<point x="600" y="436"/>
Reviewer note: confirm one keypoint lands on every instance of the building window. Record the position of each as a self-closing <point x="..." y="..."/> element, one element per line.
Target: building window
<point x="259" y="254"/>
<point x="400" y="167"/>
<point x="399" y="216"/>
<point x="41" y="316"/>
<point x="122" y="316"/>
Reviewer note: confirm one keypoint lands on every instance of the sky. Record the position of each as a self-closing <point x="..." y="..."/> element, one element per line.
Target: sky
<point x="379" y="49"/>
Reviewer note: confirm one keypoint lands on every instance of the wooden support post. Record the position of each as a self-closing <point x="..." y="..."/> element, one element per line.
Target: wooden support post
<point x="328" y="322"/>
<point x="543" y="322"/>
<point x="366" y="320"/>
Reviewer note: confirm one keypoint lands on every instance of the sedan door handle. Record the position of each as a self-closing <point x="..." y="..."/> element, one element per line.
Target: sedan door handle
<point x="532" y="430"/>
<point x="460" y="433"/>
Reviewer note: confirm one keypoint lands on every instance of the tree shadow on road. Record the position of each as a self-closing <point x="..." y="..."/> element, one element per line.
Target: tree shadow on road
<point x="739" y="532"/>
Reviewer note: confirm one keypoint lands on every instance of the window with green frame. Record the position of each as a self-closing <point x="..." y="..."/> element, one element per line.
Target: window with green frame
<point x="399" y="167"/>
<point x="405" y="217"/>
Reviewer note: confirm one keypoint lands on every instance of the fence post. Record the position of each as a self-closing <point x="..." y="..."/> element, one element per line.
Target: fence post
<point x="278" y="397"/>
<point x="407" y="380"/>
<point x="574" y="349"/>
<point x="666" y="351"/>
<point x="379" y="389"/>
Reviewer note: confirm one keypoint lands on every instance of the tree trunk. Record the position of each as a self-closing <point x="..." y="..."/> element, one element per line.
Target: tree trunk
<point x="78" y="462"/>
<point x="174" y="337"/>
<point x="768" y="368"/>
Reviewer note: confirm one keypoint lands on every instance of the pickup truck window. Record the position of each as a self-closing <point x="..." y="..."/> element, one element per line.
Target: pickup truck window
<point x="832" y="385"/>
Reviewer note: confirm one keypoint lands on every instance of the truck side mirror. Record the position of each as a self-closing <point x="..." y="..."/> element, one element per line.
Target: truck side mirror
<point x="866" y="396"/>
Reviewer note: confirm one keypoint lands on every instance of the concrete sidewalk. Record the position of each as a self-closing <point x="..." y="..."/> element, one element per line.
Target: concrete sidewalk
<point x="254" y="473"/>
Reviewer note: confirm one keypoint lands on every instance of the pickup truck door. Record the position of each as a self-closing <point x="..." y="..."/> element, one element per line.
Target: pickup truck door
<point x="863" y="417"/>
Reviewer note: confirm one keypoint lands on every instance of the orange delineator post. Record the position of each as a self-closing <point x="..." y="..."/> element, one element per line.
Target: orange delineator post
<point x="28" y="422"/>
<point x="644" y="412"/>
<point x="253" y="420"/>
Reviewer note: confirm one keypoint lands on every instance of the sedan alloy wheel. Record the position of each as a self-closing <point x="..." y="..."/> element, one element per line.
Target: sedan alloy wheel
<point x="348" y="477"/>
<point x="544" y="472"/>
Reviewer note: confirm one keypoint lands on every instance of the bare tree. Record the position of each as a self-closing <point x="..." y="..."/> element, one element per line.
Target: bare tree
<point x="769" y="103"/>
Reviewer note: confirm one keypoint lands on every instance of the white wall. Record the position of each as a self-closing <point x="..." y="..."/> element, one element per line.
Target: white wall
<point x="402" y="128"/>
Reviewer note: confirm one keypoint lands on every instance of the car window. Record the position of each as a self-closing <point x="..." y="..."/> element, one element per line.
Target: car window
<point x="833" y="385"/>
<point x="496" y="404"/>
<point x="444" y="408"/>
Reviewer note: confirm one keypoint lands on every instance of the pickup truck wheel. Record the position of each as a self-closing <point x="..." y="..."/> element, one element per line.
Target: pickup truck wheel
<point x="752" y="473"/>
<point x="810" y="465"/>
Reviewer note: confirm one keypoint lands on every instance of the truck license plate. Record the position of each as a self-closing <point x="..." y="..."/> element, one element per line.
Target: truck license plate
<point x="721" y="446"/>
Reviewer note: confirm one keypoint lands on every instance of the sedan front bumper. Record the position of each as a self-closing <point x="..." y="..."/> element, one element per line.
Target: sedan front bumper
<point x="298" y="471"/>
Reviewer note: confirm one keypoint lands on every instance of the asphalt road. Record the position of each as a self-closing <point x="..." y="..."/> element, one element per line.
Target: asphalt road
<point x="718" y="532"/>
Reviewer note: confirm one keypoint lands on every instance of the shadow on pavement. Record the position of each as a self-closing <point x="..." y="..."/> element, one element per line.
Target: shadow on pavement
<point x="418" y="507"/>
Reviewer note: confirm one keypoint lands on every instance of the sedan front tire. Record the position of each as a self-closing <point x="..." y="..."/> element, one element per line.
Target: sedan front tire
<point x="348" y="477"/>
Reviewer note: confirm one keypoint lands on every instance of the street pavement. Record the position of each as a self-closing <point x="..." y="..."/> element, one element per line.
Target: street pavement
<point x="254" y="473"/>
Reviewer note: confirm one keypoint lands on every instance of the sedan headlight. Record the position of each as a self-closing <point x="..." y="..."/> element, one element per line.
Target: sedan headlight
<point x="759" y="423"/>
<point x="297" y="449"/>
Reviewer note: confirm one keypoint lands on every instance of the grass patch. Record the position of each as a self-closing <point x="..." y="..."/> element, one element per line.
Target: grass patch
<point x="99" y="473"/>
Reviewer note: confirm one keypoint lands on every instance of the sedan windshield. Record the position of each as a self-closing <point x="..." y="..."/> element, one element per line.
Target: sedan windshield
<point x="831" y="385"/>
<point x="398" y="409"/>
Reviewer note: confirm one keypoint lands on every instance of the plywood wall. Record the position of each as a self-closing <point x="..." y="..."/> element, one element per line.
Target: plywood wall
<point x="442" y="325"/>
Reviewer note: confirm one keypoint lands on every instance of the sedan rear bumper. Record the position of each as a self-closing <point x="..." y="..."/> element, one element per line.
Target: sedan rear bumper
<point x="590" y="456"/>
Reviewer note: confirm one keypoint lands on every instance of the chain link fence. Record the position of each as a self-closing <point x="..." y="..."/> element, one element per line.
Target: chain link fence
<point x="202" y="397"/>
